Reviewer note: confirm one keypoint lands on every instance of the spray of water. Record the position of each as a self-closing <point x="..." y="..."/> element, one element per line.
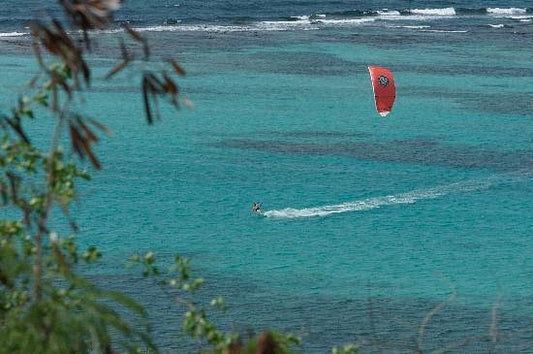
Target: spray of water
<point x="403" y="198"/>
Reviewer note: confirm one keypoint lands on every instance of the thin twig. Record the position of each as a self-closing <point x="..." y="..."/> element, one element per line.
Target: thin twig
<point x="48" y="202"/>
<point x="371" y="322"/>
<point x="493" y="330"/>
<point x="460" y="344"/>
<point x="428" y="317"/>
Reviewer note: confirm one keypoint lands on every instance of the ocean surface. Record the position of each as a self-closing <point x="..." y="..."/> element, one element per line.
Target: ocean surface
<point x="369" y="223"/>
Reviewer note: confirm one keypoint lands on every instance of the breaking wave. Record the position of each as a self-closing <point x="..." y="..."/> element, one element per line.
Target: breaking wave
<point x="508" y="11"/>
<point x="448" y="11"/>
<point x="310" y="21"/>
<point x="13" y="34"/>
<point x="344" y="22"/>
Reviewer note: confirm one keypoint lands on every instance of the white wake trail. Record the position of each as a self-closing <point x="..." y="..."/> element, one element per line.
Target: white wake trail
<point x="403" y="198"/>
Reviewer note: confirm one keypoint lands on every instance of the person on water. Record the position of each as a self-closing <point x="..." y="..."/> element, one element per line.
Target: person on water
<point x="256" y="208"/>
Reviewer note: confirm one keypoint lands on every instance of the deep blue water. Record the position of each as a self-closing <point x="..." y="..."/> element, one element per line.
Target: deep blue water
<point x="370" y="222"/>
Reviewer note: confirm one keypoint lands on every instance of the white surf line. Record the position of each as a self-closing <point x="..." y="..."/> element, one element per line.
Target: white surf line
<point x="403" y="198"/>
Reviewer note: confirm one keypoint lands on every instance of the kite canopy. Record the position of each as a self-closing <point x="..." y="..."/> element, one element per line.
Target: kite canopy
<point x="384" y="89"/>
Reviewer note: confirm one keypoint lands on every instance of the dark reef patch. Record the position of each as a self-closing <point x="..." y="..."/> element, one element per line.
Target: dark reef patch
<point x="519" y="103"/>
<point x="403" y="151"/>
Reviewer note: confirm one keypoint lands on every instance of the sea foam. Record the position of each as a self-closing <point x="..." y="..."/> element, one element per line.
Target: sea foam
<point x="402" y="198"/>
<point x="386" y="13"/>
<point x="345" y="22"/>
<point x="448" y="11"/>
<point x="193" y="28"/>
<point x="13" y="34"/>
<point x="506" y="11"/>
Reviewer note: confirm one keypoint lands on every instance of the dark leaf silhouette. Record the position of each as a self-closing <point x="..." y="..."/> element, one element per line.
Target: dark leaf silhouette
<point x="58" y="43"/>
<point x="177" y="67"/>
<point x="15" y="124"/>
<point x="146" y="100"/>
<point x="116" y="69"/>
<point x="126" y="58"/>
<point x="81" y="137"/>
<point x="138" y="38"/>
<point x="100" y="126"/>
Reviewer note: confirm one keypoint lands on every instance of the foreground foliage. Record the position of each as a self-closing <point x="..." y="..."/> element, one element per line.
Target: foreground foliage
<point x="46" y="305"/>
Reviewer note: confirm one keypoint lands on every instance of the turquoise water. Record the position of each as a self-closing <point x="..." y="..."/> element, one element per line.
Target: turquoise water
<point x="369" y="222"/>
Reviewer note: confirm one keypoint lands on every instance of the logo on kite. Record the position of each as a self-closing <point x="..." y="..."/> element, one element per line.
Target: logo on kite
<point x="384" y="89"/>
<point x="383" y="81"/>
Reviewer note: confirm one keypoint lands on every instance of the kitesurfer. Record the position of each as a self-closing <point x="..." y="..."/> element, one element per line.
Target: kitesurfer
<point x="256" y="208"/>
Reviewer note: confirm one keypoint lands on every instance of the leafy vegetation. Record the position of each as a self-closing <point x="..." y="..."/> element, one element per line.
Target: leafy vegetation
<point x="46" y="305"/>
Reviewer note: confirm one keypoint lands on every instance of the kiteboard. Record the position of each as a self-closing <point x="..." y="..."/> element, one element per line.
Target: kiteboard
<point x="258" y="213"/>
